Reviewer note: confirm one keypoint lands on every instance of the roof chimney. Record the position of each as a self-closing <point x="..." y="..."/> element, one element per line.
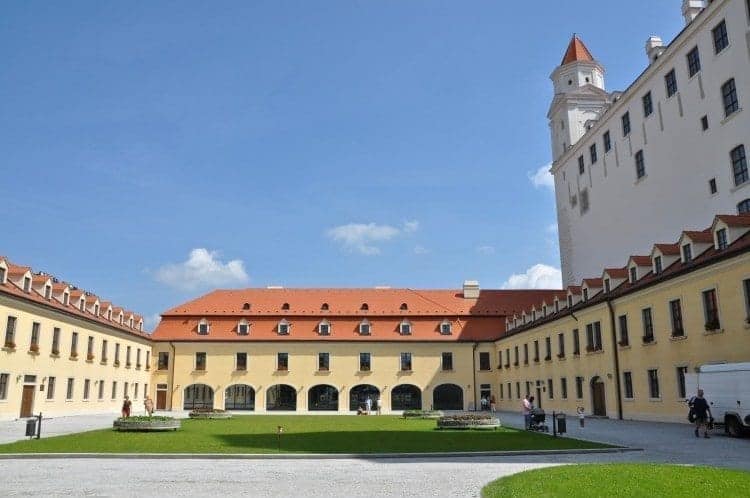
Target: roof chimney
<point x="691" y="8"/>
<point x="471" y="289"/>
<point x="654" y="48"/>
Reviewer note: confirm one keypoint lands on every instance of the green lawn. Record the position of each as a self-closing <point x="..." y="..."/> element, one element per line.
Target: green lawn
<point x="302" y="434"/>
<point x="622" y="480"/>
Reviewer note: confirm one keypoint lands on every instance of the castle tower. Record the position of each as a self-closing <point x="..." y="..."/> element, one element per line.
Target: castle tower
<point x="579" y="97"/>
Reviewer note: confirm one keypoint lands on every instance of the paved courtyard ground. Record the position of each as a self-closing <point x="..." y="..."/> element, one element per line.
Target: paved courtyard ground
<point x="346" y="477"/>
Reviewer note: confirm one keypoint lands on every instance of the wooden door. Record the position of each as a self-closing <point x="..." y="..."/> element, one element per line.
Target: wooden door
<point x="27" y="401"/>
<point x="161" y="400"/>
<point x="600" y="407"/>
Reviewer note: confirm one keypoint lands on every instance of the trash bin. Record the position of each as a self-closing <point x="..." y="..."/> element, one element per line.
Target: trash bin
<point x="31" y="427"/>
<point x="561" y="423"/>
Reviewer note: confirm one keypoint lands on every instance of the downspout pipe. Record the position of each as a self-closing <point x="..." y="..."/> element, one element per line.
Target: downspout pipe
<point x="171" y="375"/>
<point x="474" y="371"/>
<point x="616" y="358"/>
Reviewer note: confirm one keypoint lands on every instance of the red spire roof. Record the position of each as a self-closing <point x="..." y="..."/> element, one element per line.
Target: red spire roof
<point x="576" y="52"/>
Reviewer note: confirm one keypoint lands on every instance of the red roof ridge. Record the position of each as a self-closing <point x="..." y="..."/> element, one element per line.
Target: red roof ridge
<point x="668" y="249"/>
<point x="735" y="220"/>
<point x="576" y="52"/>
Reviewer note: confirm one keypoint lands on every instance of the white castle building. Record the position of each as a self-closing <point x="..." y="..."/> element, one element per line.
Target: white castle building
<point x="671" y="150"/>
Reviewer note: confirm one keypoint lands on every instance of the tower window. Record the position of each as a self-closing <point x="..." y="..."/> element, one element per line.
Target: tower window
<point x="694" y="62"/>
<point x="721" y="37"/>
<point x="670" y="81"/>
<point x="729" y="97"/>
<point x="626" y="124"/>
<point x="739" y="164"/>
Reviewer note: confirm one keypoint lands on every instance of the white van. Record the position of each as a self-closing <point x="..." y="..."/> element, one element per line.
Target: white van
<point x="726" y="387"/>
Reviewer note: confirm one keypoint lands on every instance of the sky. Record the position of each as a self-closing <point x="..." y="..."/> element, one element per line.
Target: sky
<point x="153" y="151"/>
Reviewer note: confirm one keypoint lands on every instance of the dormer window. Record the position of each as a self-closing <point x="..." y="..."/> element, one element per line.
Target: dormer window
<point x="570" y="301"/>
<point x="657" y="265"/>
<point x="365" y="327"/>
<point x="121" y="318"/>
<point x="47" y="291"/>
<point x="66" y="298"/>
<point x="324" y="307"/>
<point x="285" y="306"/>
<point x="633" y="274"/>
<point x="3" y="274"/>
<point x="557" y="305"/>
<point x="687" y="253"/>
<point x="203" y="327"/>
<point x="81" y="304"/>
<point x="130" y="322"/>
<point x="403" y="307"/>
<point x="721" y="239"/>
<point x="243" y="328"/>
<point x="364" y="307"/>
<point x="26" y="284"/>
<point x="246" y="306"/>
<point x="585" y="294"/>
<point x="109" y="315"/>
<point x="283" y="327"/>
<point x="96" y="310"/>
<point x="405" y="328"/>
<point x="324" y="328"/>
<point x="533" y="315"/>
<point x="544" y="310"/>
<point x="607" y="285"/>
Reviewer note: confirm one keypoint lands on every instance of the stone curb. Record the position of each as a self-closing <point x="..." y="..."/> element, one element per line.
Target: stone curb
<point x="303" y="456"/>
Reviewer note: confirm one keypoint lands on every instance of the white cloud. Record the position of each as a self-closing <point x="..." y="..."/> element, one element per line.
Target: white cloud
<point x="420" y="250"/>
<point x="538" y="276"/>
<point x="363" y="237"/>
<point x="486" y="250"/>
<point x="542" y="178"/>
<point x="203" y="268"/>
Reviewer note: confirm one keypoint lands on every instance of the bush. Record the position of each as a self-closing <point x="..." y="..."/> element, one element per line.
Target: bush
<point x="422" y="413"/>
<point x="469" y="421"/>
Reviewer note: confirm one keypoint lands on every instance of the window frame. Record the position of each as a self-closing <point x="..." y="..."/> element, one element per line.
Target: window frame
<point x="365" y="362"/>
<point x="720" y="37"/>
<point x="711" y="312"/>
<point x="201" y="361"/>
<point x="607" y="141"/>
<point x="693" y="61"/>
<point x="594" y="156"/>
<point x="648" y="104"/>
<point x="622" y="325"/>
<point x="640" y="165"/>
<point x="647" y="322"/>
<point x="446" y="366"/>
<point x="626" y="126"/>
<point x="652" y="375"/>
<point x="676" y="318"/>
<point x="237" y="366"/>
<point x="627" y="382"/>
<point x="729" y="98"/>
<point x="670" y="83"/>
<point x="324" y="361"/>
<point x="405" y="362"/>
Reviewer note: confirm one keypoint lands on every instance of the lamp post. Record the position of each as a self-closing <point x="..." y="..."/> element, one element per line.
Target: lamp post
<point x="279" y="432"/>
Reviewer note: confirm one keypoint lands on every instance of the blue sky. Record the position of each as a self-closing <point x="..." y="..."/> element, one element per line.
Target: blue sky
<point x="154" y="150"/>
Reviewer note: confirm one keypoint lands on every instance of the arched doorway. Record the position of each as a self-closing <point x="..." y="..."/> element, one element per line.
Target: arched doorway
<point x="597" y="397"/>
<point x="448" y="397"/>
<point x="406" y="397"/>
<point x="358" y="396"/>
<point x="281" y="397"/>
<point x="198" y="396"/>
<point x="239" y="397"/>
<point x="323" y="398"/>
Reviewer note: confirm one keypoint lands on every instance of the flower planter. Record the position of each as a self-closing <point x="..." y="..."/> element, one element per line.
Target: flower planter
<point x="423" y="414"/>
<point x="146" y="424"/>
<point x="209" y="414"/>
<point x="468" y="422"/>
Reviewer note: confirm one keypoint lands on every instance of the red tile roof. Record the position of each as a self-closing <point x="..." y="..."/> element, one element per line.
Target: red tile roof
<point x="668" y="249"/>
<point x="576" y="51"/>
<point x="593" y="282"/>
<point x="617" y="272"/>
<point x="735" y="220"/>
<point x="575" y="289"/>
<point x="702" y="237"/>
<point x="641" y="260"/>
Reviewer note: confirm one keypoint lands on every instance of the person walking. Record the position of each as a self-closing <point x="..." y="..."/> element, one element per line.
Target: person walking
<point x="526" y="410"/>
<point x="148" y="404"/>
<point x="368" y="404"/>
<point x="126" y="407"/>
<point x="379" y="405"/>
<point x="702" y="413"/>
<point x="493" y="404"/>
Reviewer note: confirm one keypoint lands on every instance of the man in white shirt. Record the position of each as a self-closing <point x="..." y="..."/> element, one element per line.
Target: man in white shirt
<point x="526" y="411"/>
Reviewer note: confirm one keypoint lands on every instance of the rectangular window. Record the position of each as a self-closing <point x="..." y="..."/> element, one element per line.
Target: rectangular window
<point x="623" y="322"/>
<point x="625" y="124"/>
<point x="633" y="274"/>
<point x="579" y="387"/>
<point x="653" y="383"/>
<point x="640" y="165"/>
<point x="484" y="361"/>
<point x="675" y="311"/>
<point x="670" y="81"/>
<point x="648" y="105"/>
<point x="364" y="362"/>
<point x="203" y="328"/>
<point x="564" y="388"/>
<point x="163" y="361"/>
<point x="576" y="342"/>
<point x="125" y="389"/>
<point x="694" y="62"/>
<point x="34" y="345"/>
<point x="729" y="97"/>
<point x="648" y="325"/>
<point x="406" y="361"/>
<point x="243" y="329"/>
<point x="104" y="351"/>
<point x="518" y="390"/>
<point x="74" y="345"/>
<point x="200" y="361"/>
<point x="86" y="388"/>
<point x="51" y="388"/>
<point x="135" y="390"/>
<point x="536" y="351"/>
<point x="241" y="362"/>
<point x="721" y="37"/>
<point x="711" y="310"/>
<point x="90" y="348"/>
<point x="324" y="362"/>
<point x="56" y="341"/>
<point x="127" y="356"/>
<point x="704" y="123"/>
<point x="117" y="353"/>
<point x="581" y="165"/>
<point x="69" y="390"/>
<point x="550" y="389"/>
<point x="627" y="380"/>
<point x="447" y="361"/>
<point x="746" y="287"/>
<point x="607" y="141"/>
<point x="515" y="356"/>
<point x="584" y="201"/>
<point x="657" y="265"/>
<point x="607" y="286"/>
<point x="507" y="358"/>
<point x="101" y="390"/>
<point x="525" y="354"/>
<point x="712" y="186"/>
<point x="687" y="253"/>
<point x="10" y="332"/>
<point x="681" y="392"/>
<point x="548" y="348"/>
<point x="148" y="359"/>
<point x="502" y="391"/>
<point x="561" y="345"/>
<point x="592" y="153"/>
<point x="282" y="362"/>
<point x="4" y="386"/>
<point x="114" y="389"/>
<point x="721" y="239"/>
<point x="324" y="328"/>
<point x="138" y="358"/>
